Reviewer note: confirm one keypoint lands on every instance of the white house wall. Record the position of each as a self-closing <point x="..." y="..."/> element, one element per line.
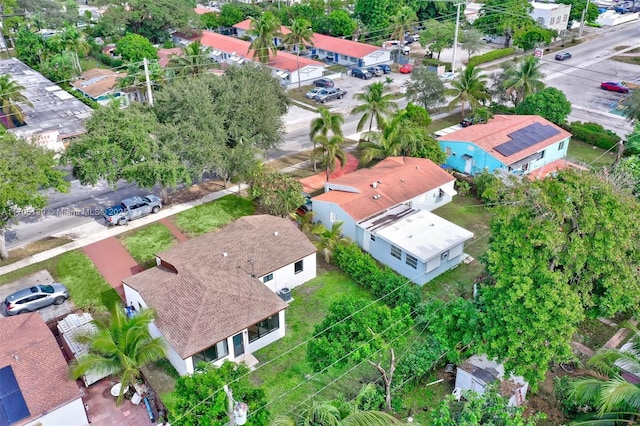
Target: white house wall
<point x="286" y="276"/>
<point x="430" y="200"/>
<point x="328" y="213"/>
<point x="381" y="56"/>
<point x="269" y="338"/>
<point x="71" y="414"/>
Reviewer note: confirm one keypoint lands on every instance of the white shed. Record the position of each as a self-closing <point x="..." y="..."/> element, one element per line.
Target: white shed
<point x="69" y="327"/>
<point x="478" y="371"/>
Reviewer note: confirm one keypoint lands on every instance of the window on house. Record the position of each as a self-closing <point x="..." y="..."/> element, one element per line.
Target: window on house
<point x="565" y="17"/>
<point x="214" y="353"/>
<point x="448" y="151"/>
<point x="264" y="327"/>
<point x="344" y="57"/>
<point x="440" y="195"/>
<point x="412" y="261"/>
<point x="561" y="146"/>
<point x="542" y="154"/>
<point x="551" y="20"/>
<point x="267" y="278"/>
<point x="373" y="237"/>
<point x="396" y="252"/>
<point x="297" y="267"/>
<point x="444" y="255"/>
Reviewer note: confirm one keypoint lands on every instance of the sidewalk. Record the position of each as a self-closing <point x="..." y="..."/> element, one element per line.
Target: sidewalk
<point x="90" y="233"/>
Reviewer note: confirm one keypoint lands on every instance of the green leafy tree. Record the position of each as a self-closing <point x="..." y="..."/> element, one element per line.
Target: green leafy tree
<point x="469" y="88"/>
<point x="279" y="193"/>
<point x="10" y="98"/>
<point x="376" y="104"/>
<point x="606" y="391"/>
<point x="134" y="48"/>
<point x="25" y="170"/>
<point x="499" y="18"/>
<point x="524" y="80"/>
<point x="374" y="14"/>
<point x="471" y="40"/>
<point x="30" y="47"/>
<point x="363" y="334"/>
<point x="74" y="42"/>
<point x="232" y="13"/>
<point x="530" y="38"/>
<point x="577" y="6"/>
<point x="199" y="399"/>
<point x="425" y="88"/>
<point x="60" y="67"/>
<point x="329" y="152"/>
<point x="136" y="77"/>
<point x="437" y="36"/>
<point x="327" y="122"/>
<point x="300" y="36"/>
<point x="338" y="23"/>
<point x="549" y="103"/>
<point x="265" y="29"/>
<point x="194" y="61"/>
<point x="403" y="21"/>
<point x="124" y="144"/>
<point x="487" y="409"/>
<point x="552" y="261"/>
<point x="396" y="136"/>
<point x="210" y="20"/>
<point x="120" y="347"/>
<point x="630" y="166"/>
<point x="329" y="239"/>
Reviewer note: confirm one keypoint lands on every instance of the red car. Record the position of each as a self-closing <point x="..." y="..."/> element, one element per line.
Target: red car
<point x="406" y="69"/>
<point x="614" y="87"/>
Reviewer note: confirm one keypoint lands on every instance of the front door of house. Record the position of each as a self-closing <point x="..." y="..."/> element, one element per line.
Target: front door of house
<point x="467" y="165"/>
<point x="238" y="345"/>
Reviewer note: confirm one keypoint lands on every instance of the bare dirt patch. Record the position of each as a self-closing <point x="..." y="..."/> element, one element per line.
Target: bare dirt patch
<point x="195" y="191"/>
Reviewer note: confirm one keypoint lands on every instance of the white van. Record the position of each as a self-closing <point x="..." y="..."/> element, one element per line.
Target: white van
<point x="396" y="45"/>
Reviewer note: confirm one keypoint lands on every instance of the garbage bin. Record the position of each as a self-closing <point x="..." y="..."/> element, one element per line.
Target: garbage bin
<point x="285" y="294"/>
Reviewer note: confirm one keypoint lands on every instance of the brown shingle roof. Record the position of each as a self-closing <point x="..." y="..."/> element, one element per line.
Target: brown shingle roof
<point x="213" y="295"/>
<point x="495" y="132"/>
<point x="403" y="178"/>
<point x="96" y="82"/>
<point x="30" y="348"/>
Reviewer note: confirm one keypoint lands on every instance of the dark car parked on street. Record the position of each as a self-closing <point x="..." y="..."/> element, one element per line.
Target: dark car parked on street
<point x="562" y="56"/>
<point x="132" y="208"/>
<point x="385" y="68"/>
<point x="33" y="298"/>
<point x="361" y="73"/>
<point x="323" y="82"/>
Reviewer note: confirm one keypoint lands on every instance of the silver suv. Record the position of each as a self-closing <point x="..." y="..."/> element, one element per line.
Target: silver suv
<point x="36" y="297"/>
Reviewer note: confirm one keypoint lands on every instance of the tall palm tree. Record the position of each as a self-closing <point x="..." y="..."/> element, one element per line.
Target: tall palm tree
<point x="404" y="19"/>
<point x="329" y="239"/>
<point x="376" y="105"/>
<point x="606" y="390"/>
<point x="397" y="136"/>
<point x="469" y="87"/>
<point x="524" y="80"/>
<point x="74" y="42"/>
<point x="10" y="96"/>
<point x="194" y="60"/>
<point x="265" y="30"/>
<point x="120" y="346"/>
<point x="329" y="151"/>
<point x="301" y="35"/>
<point x="327" y="122"/>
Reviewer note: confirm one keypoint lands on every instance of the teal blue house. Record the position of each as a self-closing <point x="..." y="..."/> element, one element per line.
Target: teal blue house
<point x="518" y="144"/>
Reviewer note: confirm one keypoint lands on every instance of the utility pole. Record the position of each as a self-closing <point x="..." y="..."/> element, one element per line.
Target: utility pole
<point x="584" y="14"/>
<point x="238" y="412"/>
<point x="455" y="38"/>
<point x="229" y="392"/>
<point x="146" y="77"/>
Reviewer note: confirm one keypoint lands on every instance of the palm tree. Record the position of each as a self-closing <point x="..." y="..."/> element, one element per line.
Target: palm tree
<point x="10" y="96"/>
<point x="524" y="80"/>
<point x="606" y="390"/>
<point x="397" y="136"/>
<point x="330" y="239"/>
<point x="305" y="222"/>
<point x="376" y="104"/>
<point x="74" y="42"/>
<point x="300" y="36"/>
<point x="120" y="346"/>
<point x="469" y="87"/>
<point x="329" y="151"/>
<point x="265" y="30"/>
<point x="194" y="61"/>
<point x="327" y="122"/>
<point x="632" y="106"/>
<point x="404" y="19"/>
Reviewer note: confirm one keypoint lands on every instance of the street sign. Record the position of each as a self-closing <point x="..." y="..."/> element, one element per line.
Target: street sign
<point x="537" y="52"/>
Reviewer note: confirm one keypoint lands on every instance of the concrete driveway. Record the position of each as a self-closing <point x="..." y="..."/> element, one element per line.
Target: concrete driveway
<point x="42" y="277"/>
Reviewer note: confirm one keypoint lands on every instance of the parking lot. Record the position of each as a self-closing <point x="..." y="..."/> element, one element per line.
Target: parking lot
<point x="48" y="313"/>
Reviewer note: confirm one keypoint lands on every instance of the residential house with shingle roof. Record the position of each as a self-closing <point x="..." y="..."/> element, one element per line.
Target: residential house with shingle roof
<point x="215" y="296"/>
<point x="519" y="144"/>
<point x="386" y="210"/>
<point x="334" y="49"/>
<point x="35" y="387"/>
<point x="101" y="86"/>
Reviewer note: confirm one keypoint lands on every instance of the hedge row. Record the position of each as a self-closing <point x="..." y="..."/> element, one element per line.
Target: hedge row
<point x="381" y="281"/>
<point x="491" y="56"/>
<point x="592" y="134"/>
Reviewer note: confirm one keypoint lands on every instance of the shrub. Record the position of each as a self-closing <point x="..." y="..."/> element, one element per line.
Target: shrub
<point x="592" y="134"/>
<point x="491" y="56"/>
<point x="488" y="187"/>
<point x="381" y="281"/>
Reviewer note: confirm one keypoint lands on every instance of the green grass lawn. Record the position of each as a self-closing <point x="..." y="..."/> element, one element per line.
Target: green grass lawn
<point x="205" y="217"/>
<point x="144" y="243"/>
<point x="444" y="122"/>
<point x="290" y="372"/>
<point x="591" y="155"/>
<point x="469" y="213"/>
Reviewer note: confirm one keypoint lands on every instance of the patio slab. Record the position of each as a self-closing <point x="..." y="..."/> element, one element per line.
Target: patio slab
<point x="102" y="410"/>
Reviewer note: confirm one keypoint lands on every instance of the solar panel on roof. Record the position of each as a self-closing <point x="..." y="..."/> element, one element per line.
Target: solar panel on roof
<point x="525" y="138"/>
<point x="12" y="404"/>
